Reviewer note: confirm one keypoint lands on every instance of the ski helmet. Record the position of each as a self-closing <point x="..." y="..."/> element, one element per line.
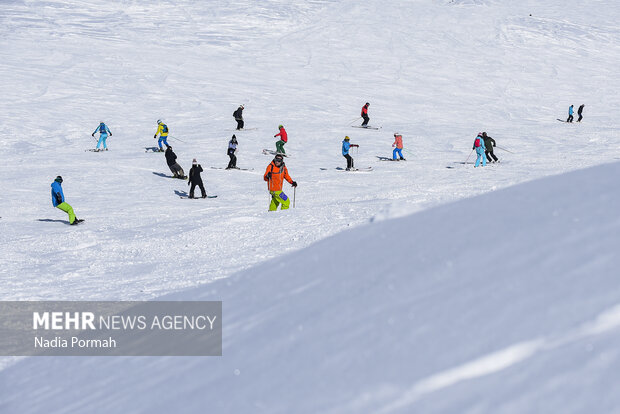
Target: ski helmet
<point x="159" y="121"/>
<point x="101" y="122"/>
<point x="367" y="103"/>
<point x="58" y="179"/>
<point x="347" y="138"/>
<point x="278" y="157"/>
<point x="280" y="126"/>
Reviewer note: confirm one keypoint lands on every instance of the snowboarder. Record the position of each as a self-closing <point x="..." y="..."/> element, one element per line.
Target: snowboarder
<point x="171" y="160"/>
<point x="275" y="174"/>
<point x="579" y="111"/>
<point x="58" y="201"/>
<point x="283" y="140"/>
<point x="104" y="131"/>
<point x="346" y="146"/>
<point x="162" y="130"/>
<point x="365" y="114"/>
<point x="480" y="148"/>
<point x="489" y="143"/>
<point x="398" y="144"/>
<point x="570" y="114"/>
<point x="195" y="179"/>
<point x="232" y="148"/>
<point x="238" y="114"/>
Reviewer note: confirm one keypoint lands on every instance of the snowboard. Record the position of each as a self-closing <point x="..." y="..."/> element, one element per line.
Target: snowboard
<point x="197" y="197"/>
<point x="76" y="222"/>
<point x="94" y="150"/>
<point x="152" y="149"/>
<point x="365" y="127"/>
<point x="272" y="152"/>
<point x="245" y="129"/>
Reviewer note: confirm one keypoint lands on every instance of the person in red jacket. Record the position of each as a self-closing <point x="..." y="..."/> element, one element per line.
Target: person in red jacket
<point x="283" y="140"/>
<point x="365" y="114"/>
<point x="275" y="174"/>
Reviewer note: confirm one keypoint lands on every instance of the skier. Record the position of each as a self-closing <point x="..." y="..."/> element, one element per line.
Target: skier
<point x="398" y="144"/>
<point x="275" y="174"/>
<point x="104" y="131"/>
<point x="232" y="148"/>
<point x="238" y="114"/>
<point x="346" y="146"/>
<point x="171" y="160"/>
<point x="58" y="201"/>
<point x="579" y="111"/>
<point x="489" y="143"/>
<point x="162" y="130"/>
<point x="480" y="148"/>
<point x="570" y="114"/>
<point x="365" y="114"/>
<point x="283" y="140"/>
<point x="195" y="179"/>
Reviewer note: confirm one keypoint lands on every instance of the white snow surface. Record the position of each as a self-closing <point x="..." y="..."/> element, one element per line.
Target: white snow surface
<point x="507" y="302"/>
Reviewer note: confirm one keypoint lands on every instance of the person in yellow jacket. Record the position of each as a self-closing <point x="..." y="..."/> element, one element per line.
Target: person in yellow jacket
<point x="162" y="131"/>
<point x="275" y="175"/>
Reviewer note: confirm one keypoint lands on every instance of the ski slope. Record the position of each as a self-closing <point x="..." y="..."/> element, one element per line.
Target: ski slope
<point x="504" y="303"/>
<point x="438" y="72"/>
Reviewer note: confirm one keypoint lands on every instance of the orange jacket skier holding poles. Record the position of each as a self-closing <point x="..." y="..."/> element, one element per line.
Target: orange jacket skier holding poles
<point x="275" y="174"/>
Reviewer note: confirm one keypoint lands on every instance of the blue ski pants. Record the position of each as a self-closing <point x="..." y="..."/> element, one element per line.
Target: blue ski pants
<point x="398" y="151"/>
<point x="164" y="140"/>
<point x="480" y="156"/>
<point x="102" y="138"/>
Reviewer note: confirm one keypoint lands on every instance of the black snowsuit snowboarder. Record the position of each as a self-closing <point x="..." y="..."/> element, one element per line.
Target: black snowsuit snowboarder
<point x="238" y="114"/>
<point x="489" y="143"/>
<point x="579" y="111"/>
<point x="232" y="147"/>
<point x="196" y="180"/>
<point x="171" y="160"/>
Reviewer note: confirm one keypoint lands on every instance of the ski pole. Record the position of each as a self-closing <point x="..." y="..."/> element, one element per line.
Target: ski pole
<point x="498" y="147"/>
<point x="175" y="138"/>
<point x="294" y="194"/>
<point x="355" y="120"/>
<point x="472" y="151"/>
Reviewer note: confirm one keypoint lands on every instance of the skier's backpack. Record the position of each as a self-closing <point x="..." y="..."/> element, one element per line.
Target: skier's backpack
<point x="477" y="142"/>
<point x="164" y="128"/>
<point x="102" y="128"/>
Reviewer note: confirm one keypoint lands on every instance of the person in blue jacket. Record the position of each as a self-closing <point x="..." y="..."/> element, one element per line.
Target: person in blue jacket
<point x="570" y="114"/>
<point x="346" y="146"/>
<point x="104" y="131"/>
<point x="480" y="149"/>
<point x="58" y="201"/>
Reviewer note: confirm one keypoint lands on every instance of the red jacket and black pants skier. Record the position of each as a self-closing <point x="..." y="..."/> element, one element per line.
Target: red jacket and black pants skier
<point x="365" y="114"/>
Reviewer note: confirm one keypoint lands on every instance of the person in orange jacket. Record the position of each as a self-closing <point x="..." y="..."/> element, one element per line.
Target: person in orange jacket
<point x="398" y="144"/>
<point x="275" y="174"/>
<point x="283" y="140"/>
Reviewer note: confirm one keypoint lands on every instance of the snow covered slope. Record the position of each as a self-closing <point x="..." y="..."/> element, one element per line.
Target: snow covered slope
<point x="504" y="303"/>
<point x="437" y="72"/>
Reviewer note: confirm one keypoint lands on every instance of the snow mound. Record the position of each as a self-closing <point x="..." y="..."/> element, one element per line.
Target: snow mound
<point x="508" y="302"/>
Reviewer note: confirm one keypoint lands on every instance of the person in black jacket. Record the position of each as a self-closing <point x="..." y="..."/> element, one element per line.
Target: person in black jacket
<point x="238" y="114"/>
<point x="489" y="143"/>
<point x="171" y="160"/>
<point x="195" y="179"/>
<point x="579" y="111"/>
<point x="232" y="147"/>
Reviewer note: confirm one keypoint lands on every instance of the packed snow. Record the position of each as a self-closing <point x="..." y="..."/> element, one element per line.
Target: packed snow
<point x="500" y="303"/>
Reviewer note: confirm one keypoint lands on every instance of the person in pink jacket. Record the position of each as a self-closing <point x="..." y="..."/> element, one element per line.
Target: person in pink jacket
<point x="398" y="144"/>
